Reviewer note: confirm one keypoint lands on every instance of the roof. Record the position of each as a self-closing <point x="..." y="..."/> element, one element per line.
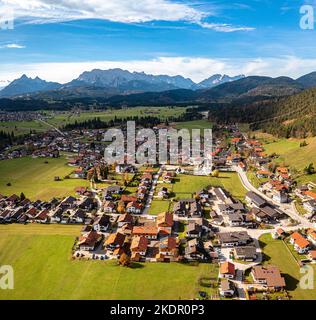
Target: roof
<point x="234" y="236"/>
<point x="115" y="239"/>
<point x="310" y="194"/>
<point x="148" y="230"/>
<point x="139" y="244"/>
<point x="165" y="218"/>
<point x="280" y="231"/>
<point x="125" y="218"/>
<point x="299" y="240"/>
<point x="313" y="254"/>
<point x="247" y="251"/>
<point x="170" y="244"/>
<point x="270" y="274"/>
<point x="255" y="198"/>
<point x="227" y="268"/>
<point x="89" y="239"/>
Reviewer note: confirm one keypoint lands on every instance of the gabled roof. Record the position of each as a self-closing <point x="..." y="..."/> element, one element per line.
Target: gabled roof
<point x="227" y="268"/>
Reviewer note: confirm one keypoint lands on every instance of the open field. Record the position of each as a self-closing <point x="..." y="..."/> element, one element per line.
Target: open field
<point x="186" y="185"/>
<point x="197" y="124"/>
<point x="296" y="157"/>
<point x="276" y="253"/>
<point x="23" y="127"/>
<point x="43" y="269"/>
<point x="62" y="119"/>
<point x="35" y="178"/>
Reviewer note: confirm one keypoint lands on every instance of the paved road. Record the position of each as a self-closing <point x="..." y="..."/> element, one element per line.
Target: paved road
<point x="287" y="208"/>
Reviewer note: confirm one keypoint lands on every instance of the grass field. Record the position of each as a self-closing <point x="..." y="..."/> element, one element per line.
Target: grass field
<point x="43" y="269"/>
<point x="23" y="127"/>
<point x="160" y="112"/>
<point x="186" y="185"/>
<point x="276" y="253"/>
<point x="296" y="157"/>
<point x="35" y="178"/>
<point x="197" y="124"/>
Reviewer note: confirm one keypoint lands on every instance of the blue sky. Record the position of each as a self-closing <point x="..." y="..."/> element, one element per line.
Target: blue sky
<point x="194" y="38"/>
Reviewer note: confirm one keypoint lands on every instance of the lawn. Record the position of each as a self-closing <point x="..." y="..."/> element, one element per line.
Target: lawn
<point x="43" y="269"/>
<point x="159" y="206"/>
<point x="255" y="181"/>
<point x="196" y="124"/>
<point x="276" y="253"/>
<point x="186" y="185"/>
<point x="35" y="178"/>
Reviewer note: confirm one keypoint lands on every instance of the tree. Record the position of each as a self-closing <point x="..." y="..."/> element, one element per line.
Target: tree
<point x="121" y="207"/>
<point x="124" y="260"/>
<point x="215" y="173"/>
<point x="310" y="169"/>
<point x="22" y="196"/>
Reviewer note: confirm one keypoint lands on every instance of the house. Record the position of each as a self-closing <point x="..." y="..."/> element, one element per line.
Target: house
<point x="139" y="246"/>
<point x="101" y="223"/>
<point x="78" y="217"/>
<point x="109" y="207"/>
<point x="262" y="174"/>
<point x="311" y="236"/>
<point x="232" y="239"/>
<point x="124" y="219"/>
<point x="87" y="204"/>
<point x="268" y="276"/>
<point x="227" y="270"/>
<point x="247" y="253"/>
<point x="42" y="217"/>
<point x="236" y="220"/>
<point x="280" y="197"/>
<point x="165" y="220"/>
<point x="68" y="202"/>
<point x="227" y="288"/>
<point x="278" y="234"/>
<point x="115" y="241"/>
<point x="127" y="199"/>
<point x="188" y="207"/>
<point x="163" y="193"/>
<point x="149" y="232"/>
<point x="89" y="241"/>
<point x="168" y="247"/>
<point x="225" y="209"/>
<point x="255" y="200"/>
<point x="193" y="230"/>
<point x="194" y="250"/>
<point x="110" y="191"/>
<point x="310" y="206"/>
<point x="300" y="243"/>
<point x="168" y="177"/>
<point x="312" y="255"/>
<point x="134" y="207"/>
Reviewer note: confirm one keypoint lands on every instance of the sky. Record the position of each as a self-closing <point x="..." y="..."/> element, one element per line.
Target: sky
<point x="59" y="39"/>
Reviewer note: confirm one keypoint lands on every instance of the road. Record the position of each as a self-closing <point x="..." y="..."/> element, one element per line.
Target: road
<point x="152" y="191"/>
<point x="53" y="127"/>
<point x="287" y="208"/>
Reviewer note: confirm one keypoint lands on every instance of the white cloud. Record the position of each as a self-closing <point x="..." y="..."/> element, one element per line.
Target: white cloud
<point x="12" y="46"/>
<point x="125" y="11"/>
<point x="195" y="68"/>
<point x="224" y="27"/>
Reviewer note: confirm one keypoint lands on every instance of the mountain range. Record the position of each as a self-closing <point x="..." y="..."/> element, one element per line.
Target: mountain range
<point x="111" y="82"/>
<point x="117" y="87"/>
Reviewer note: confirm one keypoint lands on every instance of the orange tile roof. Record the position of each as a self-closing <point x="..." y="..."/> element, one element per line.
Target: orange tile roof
<point x="227" y="268"/>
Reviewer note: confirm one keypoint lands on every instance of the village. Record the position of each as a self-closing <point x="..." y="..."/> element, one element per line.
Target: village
<point x="209" y="227"/>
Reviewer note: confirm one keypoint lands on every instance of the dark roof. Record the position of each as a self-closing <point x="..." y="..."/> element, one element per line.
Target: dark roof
<point x="256" y="199"/>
